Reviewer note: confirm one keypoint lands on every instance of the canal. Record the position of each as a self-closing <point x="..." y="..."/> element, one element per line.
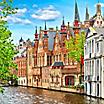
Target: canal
<point x="23" y="95"/>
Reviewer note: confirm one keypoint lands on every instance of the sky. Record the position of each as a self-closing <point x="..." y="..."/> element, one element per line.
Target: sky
<point x="32" y="13"/>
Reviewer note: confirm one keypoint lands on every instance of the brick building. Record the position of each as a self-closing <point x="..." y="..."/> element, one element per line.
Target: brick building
<point x="49" y="49"/>
<point x="21" y="60"/>
<point x="46" y="59"/>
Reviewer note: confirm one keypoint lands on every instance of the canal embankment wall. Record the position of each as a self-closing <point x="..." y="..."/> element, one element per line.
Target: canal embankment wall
<point x="66" y="90"/>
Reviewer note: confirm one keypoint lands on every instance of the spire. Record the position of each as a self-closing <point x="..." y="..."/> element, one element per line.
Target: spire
<point x="56" y="30"/>
<point x="87" y="14"/>
<point x="45" y="26"/>
<point x="40" y="28"/>
<point x="36" y="34"/>
<point x="76" y="12"/>
<point x="21" y="40"/>
<point x="45" y="31"/>
<point x="40" y="32"/>
<point x="63" y="27"/>
<point x="36" y="30"/>
<point x="68" y="25"/>
<point x="63" y="22"/>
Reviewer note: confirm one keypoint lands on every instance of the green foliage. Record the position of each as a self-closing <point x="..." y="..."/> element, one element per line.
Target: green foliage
<point x="76" y="47"/>
<point x="6" y="8"/>
<point x="7" y="48"/>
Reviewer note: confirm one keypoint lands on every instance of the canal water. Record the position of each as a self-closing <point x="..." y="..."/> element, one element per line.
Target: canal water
<point x="23" y="95"/>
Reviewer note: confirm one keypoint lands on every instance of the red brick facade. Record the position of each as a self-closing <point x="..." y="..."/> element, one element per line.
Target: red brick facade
<point x="49" y="47"/>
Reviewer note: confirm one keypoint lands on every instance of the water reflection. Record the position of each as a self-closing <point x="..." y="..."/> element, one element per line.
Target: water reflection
<point x="23" y="95"/>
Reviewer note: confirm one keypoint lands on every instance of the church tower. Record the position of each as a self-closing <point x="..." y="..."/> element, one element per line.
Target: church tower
<point x="45" y="38"/>
<point x="98" y="19"/>
<point x="35" y="47"/>
<point x="76" y="23"/>
<point x="63" y="33"/>
<point x="63" y="27"/>
<point x="21" y="43"/>
<point x="41" y="33"/>
<point x="87" y="21"/>
<point x="98" y="8"/>
<point x="40" y="43"/>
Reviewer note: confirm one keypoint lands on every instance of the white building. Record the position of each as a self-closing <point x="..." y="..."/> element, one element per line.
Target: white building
<point x="98" y="18"/>
<point x="94" y="62"/>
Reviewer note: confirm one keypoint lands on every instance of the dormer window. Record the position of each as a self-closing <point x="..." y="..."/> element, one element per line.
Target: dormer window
<point x="97" y="22"/>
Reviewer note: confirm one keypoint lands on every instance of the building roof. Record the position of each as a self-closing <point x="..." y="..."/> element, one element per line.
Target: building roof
<point x="58" y="64"/>
<point x="99" y="30"/>
<point x="92" y="30"/>
<point x="51" y="35"/>
<point x="21" y="52"/>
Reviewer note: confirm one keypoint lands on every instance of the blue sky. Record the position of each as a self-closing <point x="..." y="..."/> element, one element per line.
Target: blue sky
<point x="32" y="13"/>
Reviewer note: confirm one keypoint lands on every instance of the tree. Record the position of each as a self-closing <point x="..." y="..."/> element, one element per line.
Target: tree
<point x="7" y="48"/>
<point x="75" y="48"/>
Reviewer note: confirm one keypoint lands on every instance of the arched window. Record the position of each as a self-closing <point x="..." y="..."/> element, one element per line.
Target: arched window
<point x="97" y="22"/>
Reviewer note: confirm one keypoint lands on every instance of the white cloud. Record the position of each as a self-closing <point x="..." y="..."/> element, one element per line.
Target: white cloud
<point x="49" y="13"/>
<point x="102" y="5"/>
<point x="17" y="20"/>
<point x="35" y="6"/>
<point x="21" y="11"/>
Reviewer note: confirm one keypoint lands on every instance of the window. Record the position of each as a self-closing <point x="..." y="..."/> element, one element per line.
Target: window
<point x="68" y="59"/>
<point x="92" y="68"/>
<point x="60" y="57"/>
<point x="50" y="60"/>
<point x="24" y="80"/>
<point x="97" y="70"/>
<point x="64" y="58"/>
<point x="97" y="47"/>
<point x="56" y="57"/>
<point x="92" y="46"/>
<point x="86" y="71"/>
<point x="53" y="58"/>
<point x="30" y="80"/>
<point x="88" y="66"/>
<point x="97" y="22"/>
<point x="97" y="67"/>
<point x="48" y="63"/>
<point x="45" y="80"/>
<point x="85" y="51"/>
